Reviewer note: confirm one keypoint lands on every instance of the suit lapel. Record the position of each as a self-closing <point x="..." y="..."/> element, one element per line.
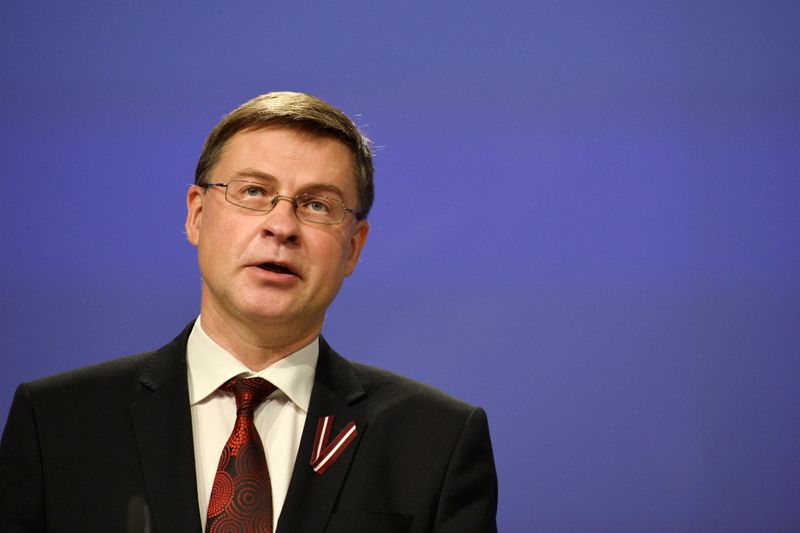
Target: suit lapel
<point x="311" y="497"/>
<point x="163" y="426"/>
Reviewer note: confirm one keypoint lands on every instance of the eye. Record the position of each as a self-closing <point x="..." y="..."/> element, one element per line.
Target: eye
<point x="249" y="190"/>
<point x="315" y="204"/>
<point x="254" y="191"/>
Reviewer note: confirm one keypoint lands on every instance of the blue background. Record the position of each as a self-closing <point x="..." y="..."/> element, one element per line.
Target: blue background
<point x="586" y="221"/>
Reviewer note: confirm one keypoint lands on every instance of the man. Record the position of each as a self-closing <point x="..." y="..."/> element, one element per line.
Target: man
<point x="248" y="420"/>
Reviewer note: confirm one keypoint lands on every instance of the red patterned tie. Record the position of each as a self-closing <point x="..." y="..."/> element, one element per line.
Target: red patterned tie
<point x="241" y="498"/>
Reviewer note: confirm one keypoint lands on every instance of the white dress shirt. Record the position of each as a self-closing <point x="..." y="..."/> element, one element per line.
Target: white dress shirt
<point x="279" y="420"/>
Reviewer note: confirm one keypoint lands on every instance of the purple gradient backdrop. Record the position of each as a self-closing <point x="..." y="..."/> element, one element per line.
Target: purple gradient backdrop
<point x="587" y="222"/>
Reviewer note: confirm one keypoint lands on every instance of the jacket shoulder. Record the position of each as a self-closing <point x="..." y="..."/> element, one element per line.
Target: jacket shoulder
<point x="393" y="392"/>
<point x="116" y="376"/>
<point x="90" y="377"/>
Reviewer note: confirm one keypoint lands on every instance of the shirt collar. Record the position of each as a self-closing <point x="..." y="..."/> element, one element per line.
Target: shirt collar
<point x="210" y="365"/>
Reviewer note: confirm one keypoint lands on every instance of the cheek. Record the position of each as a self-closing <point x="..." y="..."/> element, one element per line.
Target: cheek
<point x="218" y="241"/>
<point x="333" y="250"/>
<point x="224" y="229"/>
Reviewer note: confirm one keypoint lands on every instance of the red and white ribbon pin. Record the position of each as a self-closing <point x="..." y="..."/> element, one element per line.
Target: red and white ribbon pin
<point x="324" y="453"/>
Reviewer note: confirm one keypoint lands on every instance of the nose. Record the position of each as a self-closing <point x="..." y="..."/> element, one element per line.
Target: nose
<point x="281" y="222"/>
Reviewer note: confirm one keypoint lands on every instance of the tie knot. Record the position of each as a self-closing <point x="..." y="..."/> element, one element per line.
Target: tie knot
<point x="249" y="392"/>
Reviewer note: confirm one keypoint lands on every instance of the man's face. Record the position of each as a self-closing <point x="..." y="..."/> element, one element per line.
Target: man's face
<point x="271" y="269"/>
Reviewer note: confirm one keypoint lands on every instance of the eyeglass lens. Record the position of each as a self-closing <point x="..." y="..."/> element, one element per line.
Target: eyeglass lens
<point x="261" y="197"/>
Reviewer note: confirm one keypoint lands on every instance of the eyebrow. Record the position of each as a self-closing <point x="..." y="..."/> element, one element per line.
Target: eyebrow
<point x="323" y="188"/>
<point x="253" y="173"/>
<point x="309" y="188"/>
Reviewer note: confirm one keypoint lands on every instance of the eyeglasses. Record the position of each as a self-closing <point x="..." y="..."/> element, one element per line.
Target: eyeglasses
<point x="259" y="196"/>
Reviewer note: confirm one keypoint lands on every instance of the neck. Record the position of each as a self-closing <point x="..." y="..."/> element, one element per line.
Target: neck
<point x="255" y="345"/>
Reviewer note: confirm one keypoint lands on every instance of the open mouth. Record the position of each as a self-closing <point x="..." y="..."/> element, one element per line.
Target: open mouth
<point x="277" y="268"/>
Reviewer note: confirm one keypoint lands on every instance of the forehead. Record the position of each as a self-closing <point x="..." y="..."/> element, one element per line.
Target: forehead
<point x="292" y="158"/>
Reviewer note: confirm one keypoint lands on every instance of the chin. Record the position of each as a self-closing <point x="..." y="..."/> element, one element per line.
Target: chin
<point x="272" y="314"/>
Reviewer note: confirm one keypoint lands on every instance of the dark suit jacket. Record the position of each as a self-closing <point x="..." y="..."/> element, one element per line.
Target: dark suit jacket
<point x="78" y="446"/>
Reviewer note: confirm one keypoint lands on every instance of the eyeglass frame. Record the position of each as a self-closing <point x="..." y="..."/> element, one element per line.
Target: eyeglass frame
<point x="293" y="199"/>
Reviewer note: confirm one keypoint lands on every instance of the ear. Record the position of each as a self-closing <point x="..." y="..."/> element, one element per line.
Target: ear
<point x="195" y="198"/>
<point x="357" y="242"/>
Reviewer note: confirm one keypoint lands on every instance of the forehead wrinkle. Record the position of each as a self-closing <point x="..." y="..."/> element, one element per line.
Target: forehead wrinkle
<point x="308" y="188"/>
